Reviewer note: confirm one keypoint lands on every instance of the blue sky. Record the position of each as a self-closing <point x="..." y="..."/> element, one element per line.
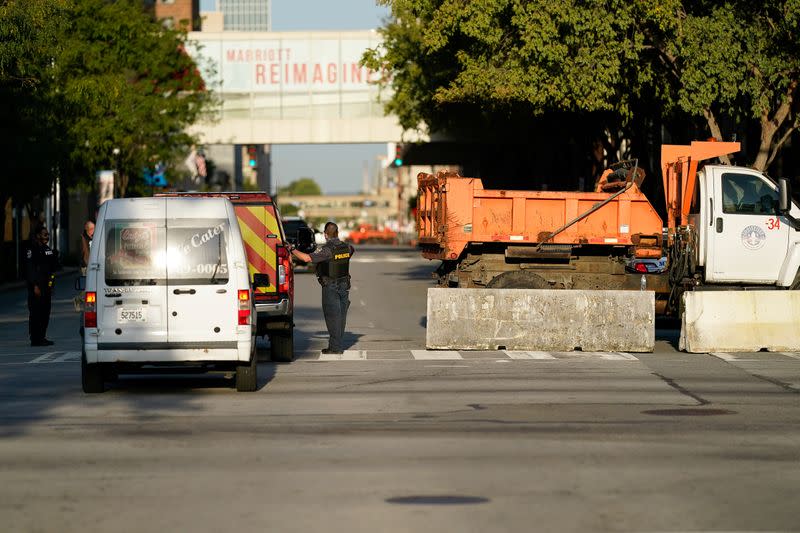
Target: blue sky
<point x="337" y="168"/>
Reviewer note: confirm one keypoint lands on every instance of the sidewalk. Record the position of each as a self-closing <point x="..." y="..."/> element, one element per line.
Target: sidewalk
<point x="20" y="284"/>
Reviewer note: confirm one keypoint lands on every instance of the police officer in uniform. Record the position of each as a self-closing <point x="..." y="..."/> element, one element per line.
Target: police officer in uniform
<point x="332" y="261"/>
<point x="40" y="267"/>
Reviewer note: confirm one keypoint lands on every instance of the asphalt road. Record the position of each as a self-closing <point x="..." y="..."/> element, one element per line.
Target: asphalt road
<point x="400" y="439"/>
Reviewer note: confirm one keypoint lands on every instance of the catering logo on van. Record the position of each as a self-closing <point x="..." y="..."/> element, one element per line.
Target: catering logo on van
<point x="753" y="237"/>
<point x="202" y="238"/>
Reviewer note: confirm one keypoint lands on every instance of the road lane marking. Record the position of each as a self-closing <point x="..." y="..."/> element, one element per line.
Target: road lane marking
<point x="348" y="355"/>
<point x="792" y="355"/>
<point x="617" y="356"/>
<point x="68" y="357"/>
<point x="729" y="357"/>
<point x="529" y="355"/>
<point x="432" y="355"/>
<point x="57" y="357"/>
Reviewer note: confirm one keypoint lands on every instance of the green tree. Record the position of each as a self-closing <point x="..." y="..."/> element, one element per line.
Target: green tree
<point x="300" y="187"/>
<point x="733" y="61"/>
<point x="507" y="56"/>
<point x="452" y="63"/>
<point x="128" y="84"/>
<point x="80" y="78"/>
<point x="32" y="125"/>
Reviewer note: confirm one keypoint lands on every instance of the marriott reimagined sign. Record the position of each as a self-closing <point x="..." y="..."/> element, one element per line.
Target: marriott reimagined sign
<point x="288" y="65"/>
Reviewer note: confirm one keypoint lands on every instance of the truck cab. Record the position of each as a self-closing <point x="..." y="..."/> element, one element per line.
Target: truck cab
<point x="742" y="237"/>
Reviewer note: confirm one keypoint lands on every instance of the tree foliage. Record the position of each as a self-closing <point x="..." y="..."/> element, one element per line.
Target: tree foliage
<point x="630" y="61"/>
<point x="83" y="77"/>
<point x="300" y="187"/>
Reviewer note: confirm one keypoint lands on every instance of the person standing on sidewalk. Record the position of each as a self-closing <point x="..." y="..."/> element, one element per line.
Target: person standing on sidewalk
<point x="40" y="267"/>
<point x="332" y="260"/>
<point x="86" y="242"/>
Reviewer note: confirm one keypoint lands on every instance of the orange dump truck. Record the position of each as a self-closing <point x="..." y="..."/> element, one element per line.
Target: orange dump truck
<point x="727" y="227"/>
<point x="731" y="239"/>
<point x="537" y="239"/>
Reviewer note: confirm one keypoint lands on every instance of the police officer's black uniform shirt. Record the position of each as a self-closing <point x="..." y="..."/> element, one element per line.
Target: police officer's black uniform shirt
<point x="40" y="264"/>
<point x="325" y="252"/>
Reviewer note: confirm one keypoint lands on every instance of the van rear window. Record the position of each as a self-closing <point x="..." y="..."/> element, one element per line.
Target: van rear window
<point x="135" y="254"/>
<point x="196" y="251"/>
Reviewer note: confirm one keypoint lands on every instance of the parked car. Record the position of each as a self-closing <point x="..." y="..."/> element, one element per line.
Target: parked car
<point x="367" y="233"/>
<point x="167" y="284"/>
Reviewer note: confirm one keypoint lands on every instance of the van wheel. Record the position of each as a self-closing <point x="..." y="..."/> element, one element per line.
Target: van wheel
<point x="282" y="346"/>
<point x="247" y="375"/>
<point x="91" y="376"/>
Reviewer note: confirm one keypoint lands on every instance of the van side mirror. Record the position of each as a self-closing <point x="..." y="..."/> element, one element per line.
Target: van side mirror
<point x="305" y="240"/>
<point x="784" y="196"/>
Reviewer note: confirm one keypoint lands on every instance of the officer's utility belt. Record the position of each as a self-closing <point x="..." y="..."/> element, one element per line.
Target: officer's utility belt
<point x="326" y="280"/>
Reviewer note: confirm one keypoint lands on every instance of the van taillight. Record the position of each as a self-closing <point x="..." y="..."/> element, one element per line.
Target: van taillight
<point x="244" y="308"/>
<point x="284" y="269"/>
<point x="90" y="310"/>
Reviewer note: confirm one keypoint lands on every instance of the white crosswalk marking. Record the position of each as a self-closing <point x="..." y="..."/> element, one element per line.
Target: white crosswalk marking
<point x="617" y="356"/>
<point x="57" y="357"/>
<point x="348" y="355"/>
<point x="434" y="355"/>
<point x="68" y="357"/>
<point x="45" y="358"/>
<point x="529" y="355"/>
<point x="730" y="356"/>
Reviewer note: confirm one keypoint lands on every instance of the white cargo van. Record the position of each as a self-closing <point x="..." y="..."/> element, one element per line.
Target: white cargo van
<point x="167" y="285"/>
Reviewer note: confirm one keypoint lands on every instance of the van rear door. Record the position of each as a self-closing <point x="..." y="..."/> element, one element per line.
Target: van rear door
<point x="201" y="296"/>
<point x="131" y="299"/>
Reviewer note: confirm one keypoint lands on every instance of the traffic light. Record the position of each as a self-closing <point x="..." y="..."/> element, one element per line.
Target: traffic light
<point x="398" y="155"/>
<point x="252" y="155"/>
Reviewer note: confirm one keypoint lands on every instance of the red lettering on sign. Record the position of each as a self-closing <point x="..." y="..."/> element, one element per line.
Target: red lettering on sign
<point x="300" y="73"/>
<point x="355" y="73"/>
<point x="773" y="223"/>
<point x="318" y="73"/>
<point x="274" y="73"/>
<point x="331" y="72"/>
<point x="261" y="77"/>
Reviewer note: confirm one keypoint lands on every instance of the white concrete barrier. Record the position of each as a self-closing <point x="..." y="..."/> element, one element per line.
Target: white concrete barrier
<point x="740" y="321"/>
<point x="546" y="320"/>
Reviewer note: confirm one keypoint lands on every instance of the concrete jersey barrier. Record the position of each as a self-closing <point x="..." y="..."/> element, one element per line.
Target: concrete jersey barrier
<point x="547" y="320"/>
<point x="740" y="321"/>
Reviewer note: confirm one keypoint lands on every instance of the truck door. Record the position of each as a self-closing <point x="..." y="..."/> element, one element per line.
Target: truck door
<point x="747" y="240"/>
<point x="202" y="299"/>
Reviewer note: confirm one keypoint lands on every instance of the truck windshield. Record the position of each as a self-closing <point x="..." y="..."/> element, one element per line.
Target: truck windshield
<point x="197" y="252"/>
<point x="134" y="253"/>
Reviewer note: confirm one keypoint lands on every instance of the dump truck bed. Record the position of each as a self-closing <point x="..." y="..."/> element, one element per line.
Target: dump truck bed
<point x="454" y="211"/>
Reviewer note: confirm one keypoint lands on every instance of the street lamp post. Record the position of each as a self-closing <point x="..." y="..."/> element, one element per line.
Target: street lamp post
<point x="117" y="177"/>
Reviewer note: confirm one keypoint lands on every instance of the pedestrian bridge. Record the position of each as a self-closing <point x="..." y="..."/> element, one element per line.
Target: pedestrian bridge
<point x="291" y="87"/>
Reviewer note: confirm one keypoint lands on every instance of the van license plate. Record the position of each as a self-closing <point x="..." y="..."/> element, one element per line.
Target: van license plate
<point x="131" y="314"/>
